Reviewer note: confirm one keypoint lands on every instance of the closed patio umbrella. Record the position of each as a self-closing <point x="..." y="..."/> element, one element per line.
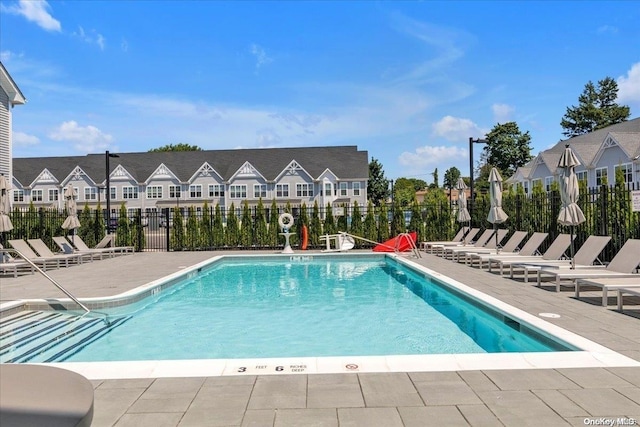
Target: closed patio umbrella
<point x="5" y="208"/>
<point x="71" y="222"/>
<point x="496" y="214"/>
<point x="463" y="212"/>
<point x="570" y="213"/>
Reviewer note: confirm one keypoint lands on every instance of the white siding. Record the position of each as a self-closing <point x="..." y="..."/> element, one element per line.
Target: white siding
<point x="5" y="135"/>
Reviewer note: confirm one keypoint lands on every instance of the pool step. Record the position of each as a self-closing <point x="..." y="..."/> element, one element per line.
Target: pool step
<point x="49" y="336"/>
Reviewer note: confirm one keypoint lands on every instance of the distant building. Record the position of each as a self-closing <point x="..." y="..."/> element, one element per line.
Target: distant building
<point x="601" y="154"/>
<point x="153" y="180"/>
<point x="10" y="96"/>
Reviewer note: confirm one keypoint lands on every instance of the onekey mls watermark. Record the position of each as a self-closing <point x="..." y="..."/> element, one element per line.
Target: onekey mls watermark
<point x="619" y="421"/>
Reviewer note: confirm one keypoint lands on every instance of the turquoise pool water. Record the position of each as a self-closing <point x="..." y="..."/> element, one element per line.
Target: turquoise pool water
<point x="336" y="306"/>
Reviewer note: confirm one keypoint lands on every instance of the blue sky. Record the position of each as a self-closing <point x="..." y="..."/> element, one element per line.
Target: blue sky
<point x="409" y="82"/>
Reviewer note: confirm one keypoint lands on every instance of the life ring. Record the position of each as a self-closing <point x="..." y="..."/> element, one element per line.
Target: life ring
<point x="305" y="237"/>
<point x="285" y="220"/>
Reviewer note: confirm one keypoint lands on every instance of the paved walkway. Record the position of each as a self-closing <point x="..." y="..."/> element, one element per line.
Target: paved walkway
<point x="553" y="397"/>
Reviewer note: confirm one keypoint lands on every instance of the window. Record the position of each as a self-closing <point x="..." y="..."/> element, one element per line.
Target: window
<point x="356" y="188"/>
<point x="627" y="172"/>
<point x="36" y="195"/>
<point x="582" y="176"/>
<point x="548" y="180"/>
<point x="536" y="183"/>
<point x="525" y="185"/>
<point x="90" y="193"/>
<point x="260" y="190"/>
<point x="174" y="191"/>
<point x="112" y="193"/>
<point x="238" y="191"/>
<point x="18" y="195"/>
<point x="154" y="192"/>
<point x="216" y="190"/>
<point x="343" y="188"/>
<point x="53" y="194"/>
<point x="129" y="192"/>
<point x="195" y="191"/>
<point x="304" y="190"/>
<point x="601" y="176"/>
<point x="282" y="190"/>
<point x="328" y="190"/>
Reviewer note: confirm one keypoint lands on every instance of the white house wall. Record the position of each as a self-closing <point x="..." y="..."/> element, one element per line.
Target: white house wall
<point x="5" y="134"/>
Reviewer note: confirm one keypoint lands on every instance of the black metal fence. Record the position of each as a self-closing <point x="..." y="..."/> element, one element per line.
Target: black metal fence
<point x="608" y="211"/>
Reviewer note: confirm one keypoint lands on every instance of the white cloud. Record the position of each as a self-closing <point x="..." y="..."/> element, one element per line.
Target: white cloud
<point x="24" y="140"/>
<point x="93" y="37"/>
<point x="428" y="156"/>
<point x="88" y="139"/>
<point x="629" y="86"/>
<point x="610" y="29"/>
<point x="502" y="113"/>
<point x="36" y="11"/>
<point x="261" y="56"/>
<point x="456" y="129"/>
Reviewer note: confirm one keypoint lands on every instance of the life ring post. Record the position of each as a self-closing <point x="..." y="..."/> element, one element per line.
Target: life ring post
<point x="285" y="221"/>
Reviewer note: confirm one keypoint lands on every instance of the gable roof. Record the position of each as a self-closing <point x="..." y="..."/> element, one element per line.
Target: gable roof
<point x="347" y="162"/>
<point x="10" y="87"/>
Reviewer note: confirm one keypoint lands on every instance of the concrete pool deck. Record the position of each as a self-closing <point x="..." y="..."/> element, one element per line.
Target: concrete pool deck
<point x="566" y="396"/>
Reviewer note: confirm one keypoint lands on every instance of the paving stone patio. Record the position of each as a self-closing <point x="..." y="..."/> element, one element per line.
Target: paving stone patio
<point x="540" y="397"/>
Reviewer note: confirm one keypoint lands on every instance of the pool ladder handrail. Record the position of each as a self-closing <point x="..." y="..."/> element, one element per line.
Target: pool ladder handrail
<point x="51" y="279"/>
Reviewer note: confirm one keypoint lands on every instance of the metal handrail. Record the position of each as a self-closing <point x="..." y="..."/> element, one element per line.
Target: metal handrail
<point x="51" y="279"/>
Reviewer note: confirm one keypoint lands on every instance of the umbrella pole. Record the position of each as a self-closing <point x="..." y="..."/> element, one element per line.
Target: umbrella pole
<point x="495" y="231"/>
<point x="573" y="261"/>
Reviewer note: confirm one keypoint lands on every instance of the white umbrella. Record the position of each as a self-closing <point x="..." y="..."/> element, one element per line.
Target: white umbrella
<point x="463" y="212"/>
<point x="5" y="208"/>
<point x="570" y="213"/>
<point x="496" y="214"/>
<point x="71" y="222"/>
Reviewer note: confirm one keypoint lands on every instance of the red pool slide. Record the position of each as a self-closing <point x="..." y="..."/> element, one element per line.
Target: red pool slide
<point x="401" y="243"/>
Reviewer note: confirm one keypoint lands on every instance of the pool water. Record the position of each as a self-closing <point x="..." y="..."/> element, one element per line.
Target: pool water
<point x="319" y="307"/>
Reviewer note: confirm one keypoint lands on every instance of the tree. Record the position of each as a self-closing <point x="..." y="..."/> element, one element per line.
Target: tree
<point x="217" y="237"/>
<point x="378" y="186"/>
<point x="451" y="177"/>
<point x="404" y="190"/>
<point x="232" y="231"/>
<point x="246" y="226"/>
<point x="597" y="109"/>
<point x="507" y="148"/>
<point x="315" y="226"/>
<point x="178" y="147"/>
<point x="435" y="179"/>
<point x="260" y="234"/>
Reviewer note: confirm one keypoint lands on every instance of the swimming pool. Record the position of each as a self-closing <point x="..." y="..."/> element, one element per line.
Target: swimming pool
<point x="123" y="306"/>
<point x="286" y="307"/>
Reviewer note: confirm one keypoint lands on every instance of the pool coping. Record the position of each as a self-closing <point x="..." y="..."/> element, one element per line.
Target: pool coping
<point x="591" y="355"/>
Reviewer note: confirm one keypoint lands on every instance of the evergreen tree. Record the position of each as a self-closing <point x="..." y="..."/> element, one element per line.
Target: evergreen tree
<point x="192" y="238"/>
<point x="357" y="228"/>
<point x="137" y="232"/>
<point x="99" y="229"/>
<point x="370" y="229"/>
<point x="329" y="223"/>
<point x="303" y="219"/>
<point x="383" y="224"/>
<point x="274" y="227"/>
<point x="315" y="226"/>
<point x="218" y="238"/>
<point x="260" y="235"/>
<point x="342" y="220"/>
<point x="451" y="177"/>
<point x="86" y="230"/>
<point x="123" y="231"/>
<point x="397" y="221"/>
<point x="232" y="231"/>
<point x="597" y="109"/>
<point x="177" y="230"/>
<point x="246" y="230"/>
<point x="206" y="226"/>
<point x="416" y="223"/>
<point x="378" y="185"/>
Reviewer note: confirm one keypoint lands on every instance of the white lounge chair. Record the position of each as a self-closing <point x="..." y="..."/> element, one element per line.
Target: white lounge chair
<point x="13" y="265"/>
<point x="529" y="249"/>
<point x="610" y="284"/>
<point x="627" y="291"/>
<point x="458" y="254"/>
<point x="66" y="247"/>
<point x="509" y="247"/>
<point x="43" y="251"/>
<point x="456" y="239"/>
<point x="342" y="242"/>
<point x="555" y="251"/>
<point x="25" y="251"/>
<point x="106" y="244"/>
<point x="437" y="247"/>
<point x="447" y="251"/>
<point x="584" y="258"/>
<point x="622" y="265"/>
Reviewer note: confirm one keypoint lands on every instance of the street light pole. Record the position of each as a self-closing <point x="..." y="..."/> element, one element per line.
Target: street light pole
<point x="471" y="195"/>
<point x="107" y="194"/>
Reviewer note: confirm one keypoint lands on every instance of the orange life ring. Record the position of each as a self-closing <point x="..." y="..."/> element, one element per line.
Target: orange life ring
<point x="305" y="237"/>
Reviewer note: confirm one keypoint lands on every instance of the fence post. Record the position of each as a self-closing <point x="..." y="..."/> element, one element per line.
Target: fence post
<point x="167" y="232"/>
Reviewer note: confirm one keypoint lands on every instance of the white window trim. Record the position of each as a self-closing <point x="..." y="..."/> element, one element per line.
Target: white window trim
<point x="284" y="188"/>
<point x="600" y="175"/>
<point x="344" y="189"/>
<point x="154" y="192"/>
<point x="262" y="191"/>
<point x="40" y="197"/>
<point x="356" y="188"/>
<point x="195" y="188"/>
<point x="234" y="189"/>
<point x="216" y="188"/>
<point x="628" y="171"/>
<point x="57" y="194"/>
<point x="130" y="192"/>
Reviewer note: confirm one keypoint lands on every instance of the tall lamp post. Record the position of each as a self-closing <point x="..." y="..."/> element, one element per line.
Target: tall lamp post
<point x="471" y="195"/>
<point x="107" y="193"/>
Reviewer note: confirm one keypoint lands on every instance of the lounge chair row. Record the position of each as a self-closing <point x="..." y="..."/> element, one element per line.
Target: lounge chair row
<point x="73" y="252"/>
<point x="585" y="269"/>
